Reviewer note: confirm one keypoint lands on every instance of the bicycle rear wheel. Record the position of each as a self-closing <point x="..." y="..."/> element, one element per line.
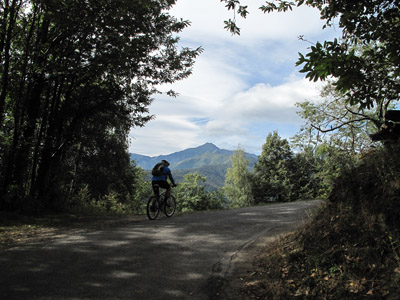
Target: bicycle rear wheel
<point x="152" y="208"/>
<point x="170" y="206"/>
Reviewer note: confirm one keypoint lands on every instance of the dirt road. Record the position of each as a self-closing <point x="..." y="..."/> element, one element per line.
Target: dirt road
<point x="183" y="257"/>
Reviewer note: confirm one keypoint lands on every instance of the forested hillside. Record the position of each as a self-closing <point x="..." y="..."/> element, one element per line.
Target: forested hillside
<point x="207" y="160"/>
<point x="192" y="158"/>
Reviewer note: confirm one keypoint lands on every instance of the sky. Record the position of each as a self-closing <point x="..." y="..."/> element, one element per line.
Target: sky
<point x="242" y="87"/>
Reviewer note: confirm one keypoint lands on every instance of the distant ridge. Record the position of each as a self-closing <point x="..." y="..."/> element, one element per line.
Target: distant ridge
<point x="208" y="160"/>
<point x="204" y="155"/>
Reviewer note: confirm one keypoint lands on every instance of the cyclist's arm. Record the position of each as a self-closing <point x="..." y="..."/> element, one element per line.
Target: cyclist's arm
<point x="171" y="178"/>
<point x="169" y="174"/>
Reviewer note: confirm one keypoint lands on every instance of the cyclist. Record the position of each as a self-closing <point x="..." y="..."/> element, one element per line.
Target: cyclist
<point x="160" y="174"/>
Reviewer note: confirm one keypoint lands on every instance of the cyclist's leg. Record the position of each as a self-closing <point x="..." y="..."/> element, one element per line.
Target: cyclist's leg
<point x="168" y="192"/>
<point x="156" y="188"/>
<point x="165" y="185"/>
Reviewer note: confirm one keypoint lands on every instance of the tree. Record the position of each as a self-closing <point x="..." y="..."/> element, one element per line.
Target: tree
<point x="367" y="76"/>
<point x="192" y="194"/>
<point x="138" y="189"/>
<point x="273" y="171"/>
<point x="237" y="181"/>
<point x="306" y="180"/>
<point x="364" y="66"/>
<point x="335" y="132"/>
<point x="217" y="199"/>
<point x="76" y="76"/>
<point x="335" y="122"/>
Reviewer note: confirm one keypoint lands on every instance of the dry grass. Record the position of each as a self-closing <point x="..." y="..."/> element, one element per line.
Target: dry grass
<point x="334" y="257"/>
<point x="349" y="250"/>
<point x="17" y="228"/>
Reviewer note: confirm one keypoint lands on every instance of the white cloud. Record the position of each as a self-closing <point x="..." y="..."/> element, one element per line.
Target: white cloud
<point x="165" y="135"/>
<point x="189" y="122"/>
<point x="277" y="104"/>
<point x="212" y="78"/>
<point x="261" y="104"/>
<point x="242" y="87"/>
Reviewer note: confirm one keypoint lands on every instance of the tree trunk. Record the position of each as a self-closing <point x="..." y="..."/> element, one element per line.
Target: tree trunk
<point x="10" y="15"/>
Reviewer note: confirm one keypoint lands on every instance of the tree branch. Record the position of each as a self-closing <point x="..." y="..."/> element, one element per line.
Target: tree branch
<point x="341" y="125"/>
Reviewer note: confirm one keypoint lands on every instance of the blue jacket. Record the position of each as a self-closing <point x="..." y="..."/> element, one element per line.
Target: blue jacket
<point x="163" y="177"/>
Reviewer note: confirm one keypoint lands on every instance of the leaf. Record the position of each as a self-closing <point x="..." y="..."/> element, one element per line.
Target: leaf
<point x="231" y="26"/>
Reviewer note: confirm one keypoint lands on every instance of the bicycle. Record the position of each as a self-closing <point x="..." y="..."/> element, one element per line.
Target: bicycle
<point x="155" y="205"/>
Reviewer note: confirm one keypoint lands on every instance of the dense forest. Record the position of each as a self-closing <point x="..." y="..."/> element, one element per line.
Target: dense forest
<point x="70" y="93"/>
<point x="75" y="77"/>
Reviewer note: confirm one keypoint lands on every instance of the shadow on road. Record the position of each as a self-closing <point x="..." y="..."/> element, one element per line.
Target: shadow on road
<point x="171" y="258"/>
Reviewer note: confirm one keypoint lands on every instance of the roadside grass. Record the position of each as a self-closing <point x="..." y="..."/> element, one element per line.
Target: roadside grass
<point x="334" y="256"/>
<point x="19" y="228"/>
<point x="15" y="228"/>
<point x="350" y="249"/>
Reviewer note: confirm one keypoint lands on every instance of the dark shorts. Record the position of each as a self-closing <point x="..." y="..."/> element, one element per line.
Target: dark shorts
<point x="160" y="184"/>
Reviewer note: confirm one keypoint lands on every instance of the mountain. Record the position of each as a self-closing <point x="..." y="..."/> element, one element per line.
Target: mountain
<point x="208" y="160"/>
<point x="204" y="155"/>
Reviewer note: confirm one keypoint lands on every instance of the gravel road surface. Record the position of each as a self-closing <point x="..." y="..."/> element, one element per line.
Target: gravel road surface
<point x="197" y="256"/>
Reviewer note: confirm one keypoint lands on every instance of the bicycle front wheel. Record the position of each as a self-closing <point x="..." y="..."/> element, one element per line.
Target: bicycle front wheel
<point x="152" y="208"/>
<point x="170" y="206"/>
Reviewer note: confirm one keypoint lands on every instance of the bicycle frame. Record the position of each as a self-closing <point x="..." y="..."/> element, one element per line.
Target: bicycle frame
<point x="156" y="204"/>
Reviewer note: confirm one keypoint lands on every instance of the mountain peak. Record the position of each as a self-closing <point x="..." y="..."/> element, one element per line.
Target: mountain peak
<point x="205" y="155"/>
<point x="208" y="147"/>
